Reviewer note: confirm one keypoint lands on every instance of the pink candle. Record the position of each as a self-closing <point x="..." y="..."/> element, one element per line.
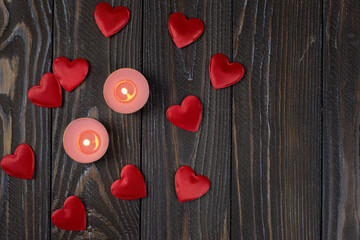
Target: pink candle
<point x="85" y="140"/>
<point x="126" y="90"/>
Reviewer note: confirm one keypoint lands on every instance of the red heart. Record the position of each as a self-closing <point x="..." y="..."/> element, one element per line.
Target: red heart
<point x="223" y="73"/>
<point x="72" y="217"/>
<point x="111" y="20"/>
<point x="131" y="185"/>
<point x="70" y="74"/>
<point x="188" y="115"/>
<point x="21" y="164"/>
<point x="48" y="93"/>
<point x="188" y="186"/>
<point x="184" y="31"/>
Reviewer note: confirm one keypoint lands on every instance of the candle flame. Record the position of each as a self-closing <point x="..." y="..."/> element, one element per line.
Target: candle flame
<point x="124" y="91"/>
<point x="86" y="142"/>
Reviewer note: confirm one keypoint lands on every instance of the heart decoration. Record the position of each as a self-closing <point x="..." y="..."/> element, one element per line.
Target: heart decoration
<point x="48" y="93"/>
<point x="21" y="164"/>
<point x="131" y="184"/>
<point x="224" y="74"/>
<point x="70" y="74"/>
<point x="111" y="20"/>
<point x="184" y="31"/>
<point x="188" y="115"/>
<point x="188" y="186"/>
<point x="72" y="217"/>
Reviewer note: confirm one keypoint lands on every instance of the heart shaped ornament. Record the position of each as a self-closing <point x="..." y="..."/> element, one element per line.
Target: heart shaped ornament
<point x="184" y="31"/>
<point x="224" y="74"/>
<point x="48" y="93"/>
<point x="187" y="115"/>
<point x="70" y="74"/>
<point x="188" y="186"/>
<point x="21" y="164"/>
<point x="72" y="217"/>
<point x="111" y="20"/>
<point x="131" y="184"/>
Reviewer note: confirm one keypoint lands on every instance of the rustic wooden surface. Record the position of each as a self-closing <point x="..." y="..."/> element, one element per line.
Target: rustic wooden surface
<point x="174" y="74"/>
<point x="341" y="119"/>
<point x="276" y="183"/>
<point x="77" y="36"/>
<point x="25" y="54"/>
<point x="281" y="147"/>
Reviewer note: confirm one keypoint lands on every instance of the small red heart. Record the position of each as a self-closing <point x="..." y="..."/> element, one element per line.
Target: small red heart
<point x="131" y="185"/>
<point x="188" y="186"/>
<point x="224" y="74"/>
<point x="21" y="164"/>
<point x="70" y="74"/>
<point x="48" y="93"/>
<point x="188" y="115"/>
<point x="184" y="31"/>
<point x="111" y="20"/>
<point x="72" y="217"/>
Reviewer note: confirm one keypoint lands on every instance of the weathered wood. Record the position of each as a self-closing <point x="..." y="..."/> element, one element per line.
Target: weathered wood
<point x="276" y="180"/>
<point x="174" y="74"/>
<point x="76" y="35"/>
<point x="341" y="172"/>
<point x="25" y="55"/>
<point x="265" y="143"/>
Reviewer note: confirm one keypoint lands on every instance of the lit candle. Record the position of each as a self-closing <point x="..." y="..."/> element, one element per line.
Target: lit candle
<point x="85" y="140"/>
<point x="126" y="90"/>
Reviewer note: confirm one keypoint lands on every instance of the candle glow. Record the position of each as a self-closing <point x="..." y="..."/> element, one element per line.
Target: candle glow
<point x="125" y="91"/>
<point x="88" y="142"/>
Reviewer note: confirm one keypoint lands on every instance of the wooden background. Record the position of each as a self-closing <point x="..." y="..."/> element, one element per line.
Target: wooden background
<point x="281" y="147"/>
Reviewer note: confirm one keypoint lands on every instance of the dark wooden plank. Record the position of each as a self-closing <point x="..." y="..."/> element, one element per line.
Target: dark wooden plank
<point x="341" y="172"/>
<point x="76" y="35"/>
<point x="276" y="180"/>
<point x="25" y="55"/>
<point x="174" y="74"/>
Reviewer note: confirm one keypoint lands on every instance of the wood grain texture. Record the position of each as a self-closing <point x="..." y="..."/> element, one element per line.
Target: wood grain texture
<point x="276" y="181"/>
<point x="76" y="35"/>
<point x="174" y="74"/>
<point x="25" y="55"/>
<point x="281" y="147"/>
<point x="341" y="171"/>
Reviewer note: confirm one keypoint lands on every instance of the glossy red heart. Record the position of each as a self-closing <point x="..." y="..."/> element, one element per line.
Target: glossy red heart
<point x="72" y="217"/>
<point x="70" y="74"/>
<point x="48" y="93"/>
<point x="188" y="115"/>
<point x="188" y="186"/>
<point x="21" y="164"/>
<point x="224" y="74"/>
<point x="111" y="20"/>
<point x="184" y="31"/>
<point x="131" y="184"/>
